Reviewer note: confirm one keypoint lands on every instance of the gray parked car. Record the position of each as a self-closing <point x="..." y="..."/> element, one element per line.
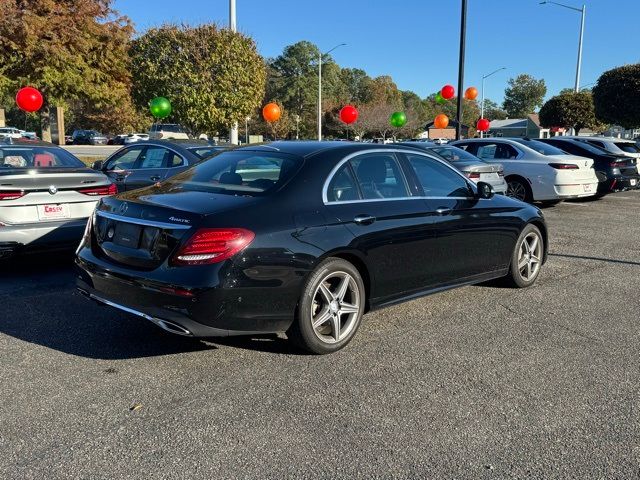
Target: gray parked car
<point x="46" y="196"/>
<point x="471" y="166"/>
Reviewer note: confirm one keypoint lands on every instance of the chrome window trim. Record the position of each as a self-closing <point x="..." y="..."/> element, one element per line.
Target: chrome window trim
<point x="338" y="166"/>
<point x="141" y="221"/>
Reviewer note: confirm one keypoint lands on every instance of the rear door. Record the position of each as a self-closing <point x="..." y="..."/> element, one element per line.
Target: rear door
<point x="391" y="226"/>
<point x="120" y="165"/>
<point x="471" y="235"/>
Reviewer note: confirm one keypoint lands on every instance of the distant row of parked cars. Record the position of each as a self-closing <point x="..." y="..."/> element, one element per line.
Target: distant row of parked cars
<point x="302" y="237"/>
<point x="158" y="131"/>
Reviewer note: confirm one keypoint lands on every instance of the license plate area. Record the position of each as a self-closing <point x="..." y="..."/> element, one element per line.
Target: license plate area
<point x="127" y="235"/>
<point x="633" y="182"/>
<point x="587" y="187"/>
<point x="53" y="211"/>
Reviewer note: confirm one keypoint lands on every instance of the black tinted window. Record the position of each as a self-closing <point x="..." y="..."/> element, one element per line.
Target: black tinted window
<point x="438" y="180"/>
<point x="627" y="147"/>
<point x="342" y="186"/>
<point x="379" y="176"/>
<point x="237" y="173"/>
<point x="124" y="160"/>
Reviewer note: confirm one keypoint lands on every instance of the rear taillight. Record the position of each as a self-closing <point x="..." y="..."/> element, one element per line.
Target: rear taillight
<point x="473" y="175"/>
<point x="96" y="191"/>
<point x="11" y="194"/>
<point x="618" y="164"/>
<point x="564" y="166"/>
<point x="212" y="245"/>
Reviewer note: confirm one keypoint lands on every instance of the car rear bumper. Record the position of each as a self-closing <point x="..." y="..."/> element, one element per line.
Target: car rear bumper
<point x="205" y="311"/>
<point x="578" y="190"/>
<point x="41" y="235"/>
<point x="623" y="183"/>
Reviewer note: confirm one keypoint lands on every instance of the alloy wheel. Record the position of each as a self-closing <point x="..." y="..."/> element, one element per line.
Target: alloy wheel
<point x="516" y="190"/>
<point x="530" y="256"/>
<point x="335" y="308"/>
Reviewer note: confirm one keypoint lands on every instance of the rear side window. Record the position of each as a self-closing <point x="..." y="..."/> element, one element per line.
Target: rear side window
<point x="342" y="186"/>
<point x="436" y="179"/>
<point x="379" y="176"/>
<point x="627" y="147"/>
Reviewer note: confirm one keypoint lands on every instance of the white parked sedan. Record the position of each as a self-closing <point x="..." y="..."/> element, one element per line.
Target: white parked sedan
<point x="136" y="137"/>
<point x="535" y="171"/>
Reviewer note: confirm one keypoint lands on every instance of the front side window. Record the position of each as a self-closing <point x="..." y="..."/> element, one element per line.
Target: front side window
<point x="379" y="176"/>
<point x="124" y="160"/>
<point x="438" y="180"/>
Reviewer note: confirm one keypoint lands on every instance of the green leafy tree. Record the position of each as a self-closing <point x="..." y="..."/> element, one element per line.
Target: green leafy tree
<point x="74" y="52"/>
<point x="570" y="110"/>
<point x="492" y="110"/>
<point x="213" y="77"/>
<point x="616" y="96"/>
<point x="523" y="95"/>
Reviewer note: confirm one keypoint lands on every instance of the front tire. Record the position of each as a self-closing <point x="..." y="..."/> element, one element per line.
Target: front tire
<point x="526" y="259"/>
<point x="330" y="307"/>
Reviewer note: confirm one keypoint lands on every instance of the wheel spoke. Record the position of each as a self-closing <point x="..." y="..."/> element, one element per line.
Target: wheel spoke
<point x="321" y="318"/>
<point x="347" y="308"/>
<point x="528" y="270"/>
<point x="523" y="263"/>
<point x="335" y="326"/>
<point x="535" y="259"/>
<point x="534" y="244"/>
<point x="326" y="293"/>
<point x="342" y="288"/>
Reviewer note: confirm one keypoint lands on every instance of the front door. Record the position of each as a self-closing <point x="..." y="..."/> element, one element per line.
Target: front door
<point x="120" y="165"/>
<point x="151" y="167"/>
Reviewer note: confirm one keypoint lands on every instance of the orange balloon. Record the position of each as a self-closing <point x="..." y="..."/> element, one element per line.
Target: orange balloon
<point x="441" y="121"/>
<point x="271" y="112"/>
<point x="471" y="93"/>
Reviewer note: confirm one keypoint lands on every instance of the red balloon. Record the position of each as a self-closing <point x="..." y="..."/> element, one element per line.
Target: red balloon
<point x="441" y="121"/>
<point x="349" y="114"/>
<point x="483" y="125"/>
<point x="29" y="99"/>
<point x="448" y="92"/>
<point x="271" y="112"/>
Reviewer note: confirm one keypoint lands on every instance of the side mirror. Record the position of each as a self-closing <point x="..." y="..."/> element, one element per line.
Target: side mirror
<point x="97" y="165"/>
<point x="485" y="190"/>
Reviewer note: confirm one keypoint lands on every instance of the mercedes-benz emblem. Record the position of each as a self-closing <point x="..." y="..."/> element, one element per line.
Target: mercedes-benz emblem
<point x="53" y="189"/>
<point x="123" y="207"/>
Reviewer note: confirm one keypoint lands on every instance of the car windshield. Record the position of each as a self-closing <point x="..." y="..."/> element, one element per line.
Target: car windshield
<point x="15" y="156"/>
<point x="454" y="154"/>
<point x="627" y="147"/>
<point x="247" y="173"/>
<point x="540" y="147"/>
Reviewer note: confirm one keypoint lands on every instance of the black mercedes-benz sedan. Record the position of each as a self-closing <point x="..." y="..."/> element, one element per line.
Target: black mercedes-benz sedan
<point x="303" y="238"/>
<point x="615" y="172"/>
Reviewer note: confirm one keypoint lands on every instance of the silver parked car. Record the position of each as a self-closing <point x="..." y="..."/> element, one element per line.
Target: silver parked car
<point x="46" y="196"/>
<point x="471" y="166"/>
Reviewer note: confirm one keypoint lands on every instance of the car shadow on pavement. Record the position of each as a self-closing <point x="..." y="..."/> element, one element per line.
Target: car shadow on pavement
<point x="597" y="259"/>
<point x="41" y="306"/>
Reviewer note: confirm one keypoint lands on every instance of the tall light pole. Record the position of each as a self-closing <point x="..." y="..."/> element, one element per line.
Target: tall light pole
<point x="246" y="129"/>
<point x="233" y="132"/>
<point x="582" y="13"/>
<point x="320" y="88"/>
<point x="482" y="94"/>
<point x="463" y="36"/>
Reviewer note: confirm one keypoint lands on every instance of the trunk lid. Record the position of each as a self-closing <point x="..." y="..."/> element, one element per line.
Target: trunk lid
<point x="140" y="229"/>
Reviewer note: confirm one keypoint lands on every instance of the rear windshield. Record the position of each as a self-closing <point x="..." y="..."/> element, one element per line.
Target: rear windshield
<point x="454" y="154"/>
<point x="237" y="173"/>
<point x="204" y="152"/>
<point x="627" y="147"/>
<point x="581" y="146"/>
<point x="12" y="157"/>
<point x="540" y="147"/>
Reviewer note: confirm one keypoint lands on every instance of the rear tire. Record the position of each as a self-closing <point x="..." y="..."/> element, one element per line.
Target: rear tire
<point x="526" y="259"/>
<point x="330" y="308"/>
<point x="519" y="189"/>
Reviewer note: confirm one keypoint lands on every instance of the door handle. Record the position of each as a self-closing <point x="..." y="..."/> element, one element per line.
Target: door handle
<point x="443" y="210"/>
<point x="364" y="219"/>
<point x="154" y="178"/>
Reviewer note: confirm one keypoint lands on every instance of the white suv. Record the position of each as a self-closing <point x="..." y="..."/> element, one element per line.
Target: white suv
<point x="616" y="146"/>
<point x="165" y="131"/>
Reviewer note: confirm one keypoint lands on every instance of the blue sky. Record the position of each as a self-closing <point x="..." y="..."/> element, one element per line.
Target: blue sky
<point x="416" y="41"/>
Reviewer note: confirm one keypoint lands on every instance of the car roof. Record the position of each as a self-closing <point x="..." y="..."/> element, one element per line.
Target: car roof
<point x="602" y="139"/>
<point x="310" y="148"/>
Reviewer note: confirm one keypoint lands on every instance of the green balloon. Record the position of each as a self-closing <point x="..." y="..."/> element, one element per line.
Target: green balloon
<point x="160" y="107"/>
<point x="398" y="119"/>
<point x="440" y="99"/>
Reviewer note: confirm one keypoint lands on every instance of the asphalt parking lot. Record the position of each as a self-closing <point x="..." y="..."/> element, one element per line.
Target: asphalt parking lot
<point x="480" y="382"/>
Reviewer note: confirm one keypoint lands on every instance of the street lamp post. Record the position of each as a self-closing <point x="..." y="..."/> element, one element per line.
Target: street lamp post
<point x="582" y="14"/>
<point x="320" y="88"/>
<point x="233" y="132"/>
<point x="246" y="129"/>
<point x="482" y="94"/>
<point x="297" y="127"/>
